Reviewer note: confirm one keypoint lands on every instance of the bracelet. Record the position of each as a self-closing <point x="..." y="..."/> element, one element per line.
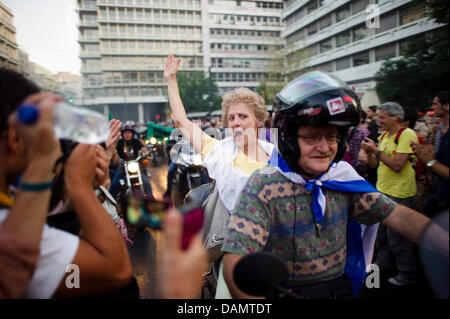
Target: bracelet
<point x="38" y="187"/>
<point x="378" y="154"/>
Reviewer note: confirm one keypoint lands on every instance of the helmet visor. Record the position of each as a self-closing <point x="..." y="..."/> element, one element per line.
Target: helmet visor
<point x="308" y="84"/>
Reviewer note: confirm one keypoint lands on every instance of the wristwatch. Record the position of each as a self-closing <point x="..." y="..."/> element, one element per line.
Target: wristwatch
<point x="431" y="163"/>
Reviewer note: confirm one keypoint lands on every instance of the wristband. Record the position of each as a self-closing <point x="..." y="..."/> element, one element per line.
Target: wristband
<point x="38" y="187"/>
<point x="378" y="154"/>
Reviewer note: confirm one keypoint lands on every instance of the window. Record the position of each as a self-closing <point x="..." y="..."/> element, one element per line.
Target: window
<point x="343" y="39"/>
<point x="343" y="63"/>
<point x="412" y="13"/>
<point x="359" y="5"/>
<point x="325" y="22"/>
<point x="326" y="67"/>
<point x="313" y="50"/>
<point x="387" y="22"/>
<point x="312" y="29"/>
<point x="343" y="13"/>
<point x="360" y="33"/>
<point x="326" y="46"/>
<point x="361" y="58"/>
<point x="385" y="52"/>
<point x="311" y="7"/>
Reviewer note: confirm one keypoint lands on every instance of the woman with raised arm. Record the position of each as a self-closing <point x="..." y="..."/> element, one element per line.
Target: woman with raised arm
<point x="232" y="160"/>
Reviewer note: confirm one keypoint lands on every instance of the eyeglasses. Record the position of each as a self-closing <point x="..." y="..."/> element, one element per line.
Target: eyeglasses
<point x="332" y="139"/>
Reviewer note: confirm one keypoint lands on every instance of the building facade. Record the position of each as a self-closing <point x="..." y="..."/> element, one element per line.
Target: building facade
<point x="124" y="45"/>
<point x="241" y="40"/>
<point x="9" y="51"/>
<point x="351" y="38"/>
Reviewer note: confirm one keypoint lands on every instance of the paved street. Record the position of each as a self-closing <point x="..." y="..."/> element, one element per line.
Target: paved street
<point x="147" y="243"/>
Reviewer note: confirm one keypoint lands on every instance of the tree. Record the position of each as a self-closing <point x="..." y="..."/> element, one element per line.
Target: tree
<point x="197" y="91"/>
<point x="285" y="64"/>
<point x="424" y="69"/>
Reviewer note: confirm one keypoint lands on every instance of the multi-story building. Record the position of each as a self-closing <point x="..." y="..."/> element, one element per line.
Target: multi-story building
<point x="125" y="43"/>
<point x="9" y="51"/>
<point x="243" y="39"/>
<point x="341" y="37"/>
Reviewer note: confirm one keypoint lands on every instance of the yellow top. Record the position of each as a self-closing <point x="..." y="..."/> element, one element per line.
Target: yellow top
<point x="5" y="199"/>
<point x="242" y="161"/>
<point x="403" y="183"/>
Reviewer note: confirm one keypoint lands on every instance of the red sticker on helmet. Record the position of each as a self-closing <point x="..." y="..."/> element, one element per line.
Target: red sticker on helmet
<point x="336" y="106"/>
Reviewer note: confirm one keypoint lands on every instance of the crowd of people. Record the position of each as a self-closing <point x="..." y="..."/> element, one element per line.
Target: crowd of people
<point x="332" y="190"/>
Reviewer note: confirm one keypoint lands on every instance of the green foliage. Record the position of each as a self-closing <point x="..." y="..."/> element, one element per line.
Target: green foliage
<point x="193" y="87"/>
<point x="414" y="79"/>
<point x="269" y="90"/>
<point x="436" y="10"/>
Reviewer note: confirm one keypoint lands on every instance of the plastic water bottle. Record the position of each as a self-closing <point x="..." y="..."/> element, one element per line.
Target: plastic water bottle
<point x="71" y="122"/>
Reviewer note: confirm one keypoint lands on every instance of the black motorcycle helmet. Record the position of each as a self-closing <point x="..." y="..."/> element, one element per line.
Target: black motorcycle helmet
<point x="314" y="98"/>
<point x="127" y="127"/>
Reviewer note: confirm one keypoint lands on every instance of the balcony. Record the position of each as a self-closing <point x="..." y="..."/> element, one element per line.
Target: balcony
<point x="254" y="27"/>
<point x="90" y="70"/>
<point x="150" y="21"/>
<point x="82" y="39"/>
<point x="90" y="55"/>
<point x="243" y="39"/>
<point x="164" y="4"/>
<point x="87" y="24"/>
<point x="85" y="8"/>
<point x="340" y="26"/>
<point x="389" y="36"/>
<point x="360" y="72"/>
<point x="214" y="53"/>
<point x="243" y="10"/>
<point x="141" y="36"/>
<point x="120" y="100"/>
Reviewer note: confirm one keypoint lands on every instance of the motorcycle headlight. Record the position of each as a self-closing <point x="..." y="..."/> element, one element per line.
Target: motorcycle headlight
<point x="153" y="140"/>
<point x="133" y="167"/>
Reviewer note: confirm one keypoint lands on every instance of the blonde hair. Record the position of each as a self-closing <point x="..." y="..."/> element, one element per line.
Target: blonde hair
<point x="254" y="101"/>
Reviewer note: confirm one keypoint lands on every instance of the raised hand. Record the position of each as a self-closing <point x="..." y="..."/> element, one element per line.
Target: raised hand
<point x="171" y="67"/>
<point x="80" y="168"/>
<point x="101" y="171"/>
<point x="114" y="133"/>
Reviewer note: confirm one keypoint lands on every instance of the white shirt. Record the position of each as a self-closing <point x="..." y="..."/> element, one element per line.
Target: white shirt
<point x="57" y="251"/>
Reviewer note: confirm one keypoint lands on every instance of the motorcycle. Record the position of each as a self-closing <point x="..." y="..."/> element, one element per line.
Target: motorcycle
<point x="155" y="150"/>
<point x="132" y="172"/>
<point x="151" y="145"/>
<point x="188" y="172"/>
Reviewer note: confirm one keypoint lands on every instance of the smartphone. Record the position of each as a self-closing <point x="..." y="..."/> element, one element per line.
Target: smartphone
<point x="144" y="211"/>
<point x="193" y="216"/>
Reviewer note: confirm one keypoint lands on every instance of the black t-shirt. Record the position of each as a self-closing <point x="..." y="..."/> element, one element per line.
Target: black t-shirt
<point x="130" y="150"/>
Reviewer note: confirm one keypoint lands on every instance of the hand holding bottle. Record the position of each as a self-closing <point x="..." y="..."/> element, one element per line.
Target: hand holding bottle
<point x="39" y="139"/>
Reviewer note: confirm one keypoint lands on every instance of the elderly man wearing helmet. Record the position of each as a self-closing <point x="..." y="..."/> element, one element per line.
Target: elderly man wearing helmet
<point x="306" y="207"/>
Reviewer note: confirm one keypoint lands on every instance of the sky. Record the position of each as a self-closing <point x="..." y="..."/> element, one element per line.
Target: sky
<point x="47" y="31"/>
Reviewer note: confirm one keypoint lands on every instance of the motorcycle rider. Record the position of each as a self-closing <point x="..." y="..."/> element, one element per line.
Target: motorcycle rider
<point x="128" y="148"/>
<point x="307" y="205"/>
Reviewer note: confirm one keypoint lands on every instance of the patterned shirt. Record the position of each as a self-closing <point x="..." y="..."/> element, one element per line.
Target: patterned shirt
<point x="275" y="215"/>
<point x="357" y="137"/>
